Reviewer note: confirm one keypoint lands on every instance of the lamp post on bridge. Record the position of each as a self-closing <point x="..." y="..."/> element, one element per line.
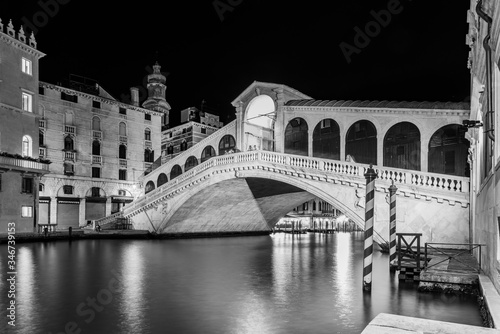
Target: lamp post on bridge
<point x="370" y="177"/>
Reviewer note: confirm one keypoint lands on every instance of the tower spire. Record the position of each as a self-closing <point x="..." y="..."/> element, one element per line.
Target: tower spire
<point x="156" y="94"/>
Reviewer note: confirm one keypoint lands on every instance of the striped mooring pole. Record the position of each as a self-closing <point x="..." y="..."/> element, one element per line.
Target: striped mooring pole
<point x="392" y="225"/>
<point x="370" y="177"/>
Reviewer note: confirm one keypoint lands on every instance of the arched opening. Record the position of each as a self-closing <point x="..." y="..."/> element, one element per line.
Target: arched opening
<point x="149" y="155"/>
<point x="402" y="146"/>
<point x="208" y="152"/>
<point x="296" y="137"/>
<point x="361" y="143"/>
<point x="27" y="146"/>
<point x="176" y="171"/>
<point x="149" y="187"/>
<point x="227" y="144"/>
<point x="448" y="150"/>
<point x="147" y="134"/>
<point x="162" y="179"/>
<point x="261" y="111"/>
<point x="326" y="140"/>
<point x="122" y="151"/>
<point x="96" y="147"/>
<point x="68" y="143"/>
<point x="190" y="163"/>
<point x="96" y="123"/>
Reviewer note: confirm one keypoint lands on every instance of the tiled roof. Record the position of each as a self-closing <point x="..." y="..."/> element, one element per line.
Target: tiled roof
<point x="380" y="104"/>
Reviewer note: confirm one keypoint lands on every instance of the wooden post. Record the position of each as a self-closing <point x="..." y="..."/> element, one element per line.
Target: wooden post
<point x="370" y="177"/>
<point x="392" y="225"/>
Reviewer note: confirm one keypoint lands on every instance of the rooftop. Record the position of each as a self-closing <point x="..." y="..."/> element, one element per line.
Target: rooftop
<point x="379" y="104"/>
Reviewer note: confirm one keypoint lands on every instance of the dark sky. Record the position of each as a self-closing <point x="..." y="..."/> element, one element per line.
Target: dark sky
<point x="420" y="53"/>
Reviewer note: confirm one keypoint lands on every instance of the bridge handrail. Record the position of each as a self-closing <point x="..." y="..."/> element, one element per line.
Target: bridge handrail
<point x="190" y="151"/>
<point x="434" y="181"/>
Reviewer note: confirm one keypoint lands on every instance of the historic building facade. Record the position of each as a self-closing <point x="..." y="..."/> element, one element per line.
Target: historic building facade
<point x="99" y="147"/>
<point x="195" y="126"/>
<point x="20" y="166"/>
<point x="484" y="124"/>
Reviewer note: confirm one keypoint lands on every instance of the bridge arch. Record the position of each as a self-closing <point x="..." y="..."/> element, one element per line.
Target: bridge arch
<point x="191" y="162"/>
<point x="361" y="142"/>
<point x="175" y="171"/>
<point x="326" y="139"/>
<point x="402" y="146"/>
<point x="150" y="186"/>
<point x="448" y="150"/>
<point x="207" y="153"/>
<point x="162" y="179"/>
<point x="259" y="111"/>
<point x="296" y="137"/>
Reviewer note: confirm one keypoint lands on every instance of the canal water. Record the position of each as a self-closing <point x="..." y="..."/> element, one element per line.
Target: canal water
<point x="282" y="283"/>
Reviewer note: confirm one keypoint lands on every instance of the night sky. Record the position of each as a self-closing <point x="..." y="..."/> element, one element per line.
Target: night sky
<point x="213" y="50"/>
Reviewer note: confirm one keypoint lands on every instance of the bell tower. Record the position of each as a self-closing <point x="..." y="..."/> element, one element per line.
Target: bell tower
<point x="156" y="94"/>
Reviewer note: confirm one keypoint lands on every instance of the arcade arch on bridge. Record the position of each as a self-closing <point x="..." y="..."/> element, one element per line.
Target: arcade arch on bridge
<point x="296" y="137"/>
<point x="361" y="142"/>
<point x="176" y="171"/>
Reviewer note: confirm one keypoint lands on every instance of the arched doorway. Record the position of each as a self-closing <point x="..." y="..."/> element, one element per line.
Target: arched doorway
<point x="361" y="142"/>
<point x="448" y="150"/>
<point x="402" y="146"/>
<point x="326" y="140"/>
<point x="296" y="137"/>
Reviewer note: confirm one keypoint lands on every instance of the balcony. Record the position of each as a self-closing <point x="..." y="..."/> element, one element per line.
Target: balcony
<point x="148" y="144"/>
<point x="123" y="163"/>
<point x="122" y="139"/>
<point x="69" y="156"/>
<point x="42" y="152"/>
<point x="97" y="159"/>
<point x="22" y="164"/>
<point x="41" y="123"/>
<point x="70" y="129"/>
<point x="96" y="134"/>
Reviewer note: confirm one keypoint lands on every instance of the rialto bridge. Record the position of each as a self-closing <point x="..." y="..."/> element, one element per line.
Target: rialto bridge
<point x="285" y="148"/>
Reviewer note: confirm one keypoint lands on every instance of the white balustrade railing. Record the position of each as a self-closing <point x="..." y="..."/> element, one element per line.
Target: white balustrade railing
<point x="433" y="181"/>
<point x="14" y="162"/>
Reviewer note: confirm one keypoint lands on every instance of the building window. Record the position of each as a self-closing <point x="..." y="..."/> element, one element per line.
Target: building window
<point x="184" y="145"/>
<point x="96" y="123"/>
<point x="122" y="152"/>
<point x="41" y="91"/>
<point x="41" y="138"/>
<point x="70" y="98"/>
<point x="27" y="185"/>
<point x="27" y="145"/>
<point x="149" y="155"/>
<point x="41" y="187"/>
<point x="68" y="190"/>
<point x="26" y="211"/>
<point x="95" y="192"/>
<point x="147" y="117"/>
<point x="122" y="129"/>
<point x="147" y="134"/>
<point x="122" y="174"/>
<point x="68" y="143"/>
<point x="96" y="172"/>
<point x="170" y="149"/>
<point x="203" y="130"/>
<point x="122" y="111"/>
<point x="69" y="169"/>
<point x="26" y="66"/>
<point x="27" y="102"/>
<point x="96" y="147"/>
<point x="96" y="104"/>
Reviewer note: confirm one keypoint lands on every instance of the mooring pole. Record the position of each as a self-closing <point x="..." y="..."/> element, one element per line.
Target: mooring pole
<point x="370" y="177"/>
<point x="392" y="225"/>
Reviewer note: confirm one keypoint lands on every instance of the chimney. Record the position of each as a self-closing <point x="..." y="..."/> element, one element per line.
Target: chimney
<point x="134" y="96"/>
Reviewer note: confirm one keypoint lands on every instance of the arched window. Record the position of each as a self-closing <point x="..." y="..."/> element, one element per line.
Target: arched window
<point x="96" y="147"/>
<point x="227" y="144"/>
<point x="402" y="146"/>
<point x="149" y="155"/>
<point x="361" y="142"/>
<point x="162" y="179"/>
<point x="208" y="152"/>
<point x="96" y="123"/>
<point x="296" y="137"/>
<point x="149" y="187"/>
<point x="190" y="163"/>
<point x="122" y="129"/>
<point x="68" y="118"/>
<point x="184" y="145"/>
<point x="170" y="149"/>
<point x="448" y="150"/>
<point x="27" y="146"/>
<point x="176" y="171"/>
<point x="122" y="151"/>
<point x="147" y="134"/>
<point x="68" y="143"/>
<point x="326" y="140"/>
